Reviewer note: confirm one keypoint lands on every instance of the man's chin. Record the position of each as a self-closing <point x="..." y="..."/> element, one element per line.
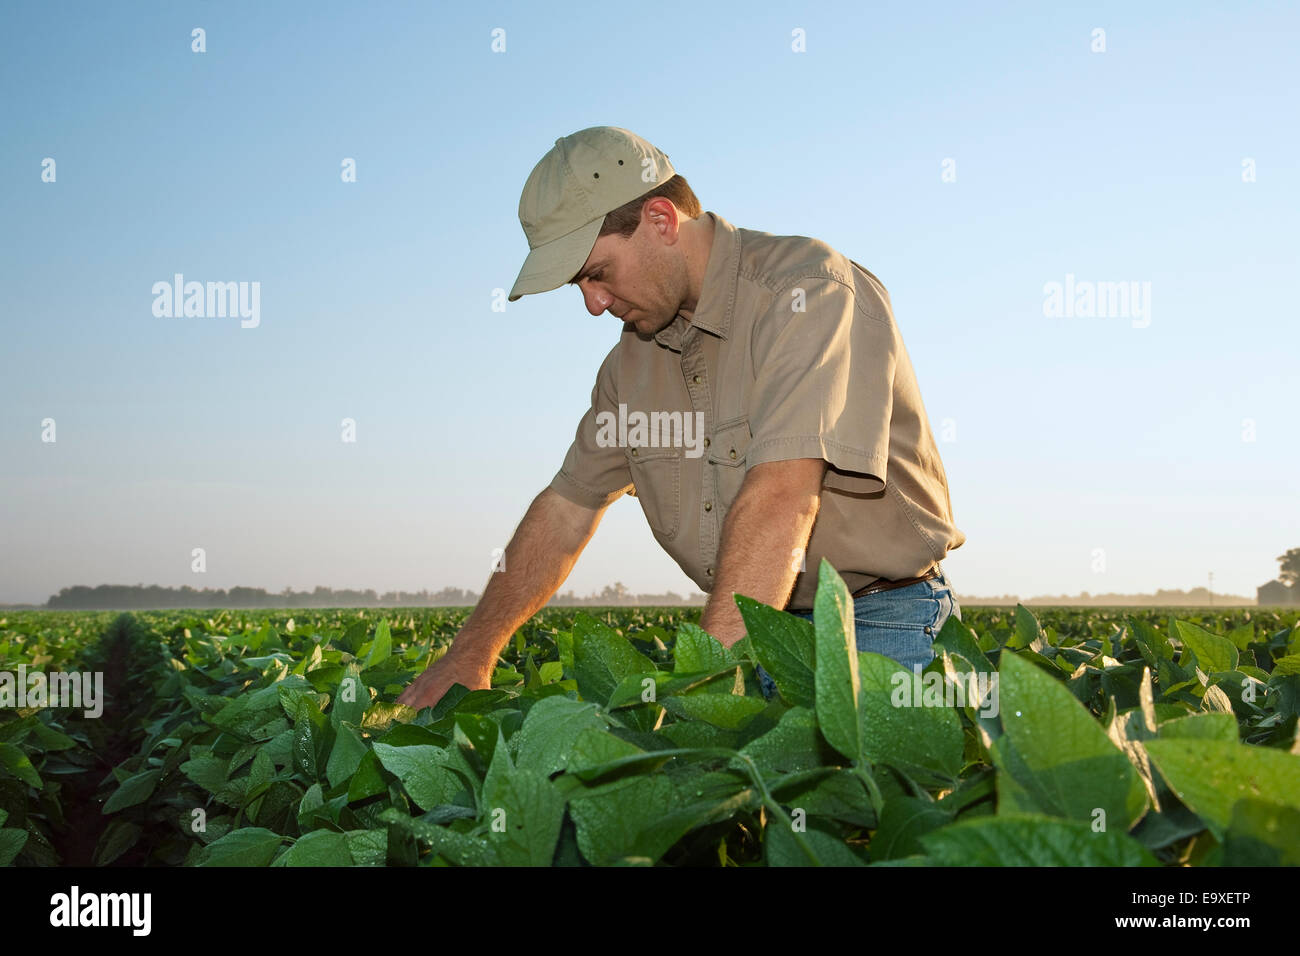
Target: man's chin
<point x="646" y="327"/>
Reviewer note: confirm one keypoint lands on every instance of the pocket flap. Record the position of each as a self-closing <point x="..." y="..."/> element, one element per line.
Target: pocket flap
<point x="730" y="442"/>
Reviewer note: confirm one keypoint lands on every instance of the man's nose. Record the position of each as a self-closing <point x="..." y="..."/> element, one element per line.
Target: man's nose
<point x="597" y="302"/>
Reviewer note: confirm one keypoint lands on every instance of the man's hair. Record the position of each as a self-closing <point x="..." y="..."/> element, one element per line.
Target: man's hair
<point x="625" y="219"/>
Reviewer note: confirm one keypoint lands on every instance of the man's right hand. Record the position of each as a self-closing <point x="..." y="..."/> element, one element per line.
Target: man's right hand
<point x="452" y="668"/>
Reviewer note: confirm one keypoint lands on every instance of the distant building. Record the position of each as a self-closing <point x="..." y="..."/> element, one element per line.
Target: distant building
<point x="1277" y="592"/>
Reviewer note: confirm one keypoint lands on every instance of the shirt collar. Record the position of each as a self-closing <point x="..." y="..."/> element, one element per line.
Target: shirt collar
<point x="718" y="291"/>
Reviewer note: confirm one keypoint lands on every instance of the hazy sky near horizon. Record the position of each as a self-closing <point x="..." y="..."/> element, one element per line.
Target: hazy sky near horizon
<point x="1166" y="438"/>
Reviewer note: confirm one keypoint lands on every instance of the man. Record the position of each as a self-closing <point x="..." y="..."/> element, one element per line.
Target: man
<point x="759" y="404"/>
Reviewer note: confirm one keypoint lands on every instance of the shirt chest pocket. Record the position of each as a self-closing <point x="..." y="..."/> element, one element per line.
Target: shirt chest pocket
<point x="656" y="480"/>
<point x="728" y="447"/>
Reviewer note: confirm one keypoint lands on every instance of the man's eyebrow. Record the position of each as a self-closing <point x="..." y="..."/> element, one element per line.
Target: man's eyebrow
<point x="582" y="272"/>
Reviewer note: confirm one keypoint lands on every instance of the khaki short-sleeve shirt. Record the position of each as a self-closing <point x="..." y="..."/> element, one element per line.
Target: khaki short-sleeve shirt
<point x="792" y="352"/>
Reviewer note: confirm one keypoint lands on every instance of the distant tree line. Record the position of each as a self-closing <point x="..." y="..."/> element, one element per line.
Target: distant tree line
<point x="1285" y="590"/>
<point x="1196" y="597"/>
<point x="139" y="597"/>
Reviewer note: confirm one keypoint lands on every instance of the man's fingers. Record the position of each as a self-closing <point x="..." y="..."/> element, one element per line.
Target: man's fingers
<point x="422" y="693"/>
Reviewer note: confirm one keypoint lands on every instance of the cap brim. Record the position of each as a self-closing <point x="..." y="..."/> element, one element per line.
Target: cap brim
<point x="554" y="263"/>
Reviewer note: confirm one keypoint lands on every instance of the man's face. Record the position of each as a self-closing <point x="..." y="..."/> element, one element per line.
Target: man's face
<point x="640" y="280"/>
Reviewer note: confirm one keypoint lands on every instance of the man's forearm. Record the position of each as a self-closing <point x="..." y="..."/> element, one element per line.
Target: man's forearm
<point x="763" y="539"/>
<point x="539" y="557"/>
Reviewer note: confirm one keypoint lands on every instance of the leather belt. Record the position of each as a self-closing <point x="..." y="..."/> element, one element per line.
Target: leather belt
<point x="886" y="585"/>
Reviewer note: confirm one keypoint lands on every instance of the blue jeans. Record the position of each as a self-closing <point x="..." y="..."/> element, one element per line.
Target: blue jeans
<point x="900" y="624"/>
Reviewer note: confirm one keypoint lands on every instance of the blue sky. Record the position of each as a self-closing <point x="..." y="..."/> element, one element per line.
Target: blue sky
<point x="1071" y="434"/>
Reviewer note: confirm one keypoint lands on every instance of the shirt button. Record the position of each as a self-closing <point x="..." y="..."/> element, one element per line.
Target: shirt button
<point x="733" y="453"/>
<point x="695" y="379"/>
<point x="709" y="572"/>
<point x="708" y="506"/>
<point x="707" y="442"/>
<point x="929" y="630"/>
<point x="633" y="452"/>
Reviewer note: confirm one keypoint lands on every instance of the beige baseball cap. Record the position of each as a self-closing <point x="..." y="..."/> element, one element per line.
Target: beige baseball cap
<point x="581" y="178"/>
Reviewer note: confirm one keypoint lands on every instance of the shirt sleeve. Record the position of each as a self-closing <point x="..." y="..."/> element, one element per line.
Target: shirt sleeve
<point x="824" y="383"/>
<point x="594" y="475"/>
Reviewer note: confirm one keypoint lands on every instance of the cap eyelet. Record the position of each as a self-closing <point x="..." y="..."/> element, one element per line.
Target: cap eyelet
<point x="620" y="162"/>
<point x="596" y="175"/>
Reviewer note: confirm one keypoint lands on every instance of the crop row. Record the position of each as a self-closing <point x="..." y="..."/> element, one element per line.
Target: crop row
<point x="632" y="737"/>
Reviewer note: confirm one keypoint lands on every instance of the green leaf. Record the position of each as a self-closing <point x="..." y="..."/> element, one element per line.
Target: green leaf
<point x="1261" y="834"/>
<point x="956" y="638"/>
<point x="550" y="672"/>
<point x="274" y="809"/>
<point x="611" y="824"/>
<point x="549" y="731"/>
<point x="381" y="715"/>
<point x="631" y="689"/>
<point x="318" y="848"/>
<point x="135" y="789"/>
<point x="1027" y="630"/>
<point x="1058" y="753"/>
<point x="459" y="849"/>
<point x="903" y="821"/>
<point x="728" y="711"/>
<point x="564" y="650"/>
<point x="312" y="738"/>
<point x="697" y="650"/>
<point x="720" y="803"/>
<point x="17" y="763"/>
<point x="368" y="847"/>
<point x="1032" y="840"/>
<point x="346" y="754"/>
<point x="794" y="744"/>
<point x="836" y="674"/>
<point x="785" y="647"/>
<point x="479" y="734"/>
<point x="1213" y="653"/>
<point x="781" y="847"/>
<point x="601" y="660"/>
<point x="52" y="740"/>
<point x="368" y="779"/>
<point x="380" y="648"/>
<point x="1213" y="776"/>
<point x="838" y="794"/>
<point x="908" y="722"/>
<point x="309" y="662"/>
<point x="11" y="844"/>
<point x="207" y="771"/>
<point x="288" y="692"/>
<point x="1200" y="727"/>
<point x="260" y="774"/>
<point x="1242" y="636"/>
<point x="594" y="748"/>
<point x="421" y="772"/>
<point x="248" y="846"/>
<point x="697" y="733"/>
<point x="352" y="698"/>
<point x="406" y="735"/>
<point x="524" y="814"/>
